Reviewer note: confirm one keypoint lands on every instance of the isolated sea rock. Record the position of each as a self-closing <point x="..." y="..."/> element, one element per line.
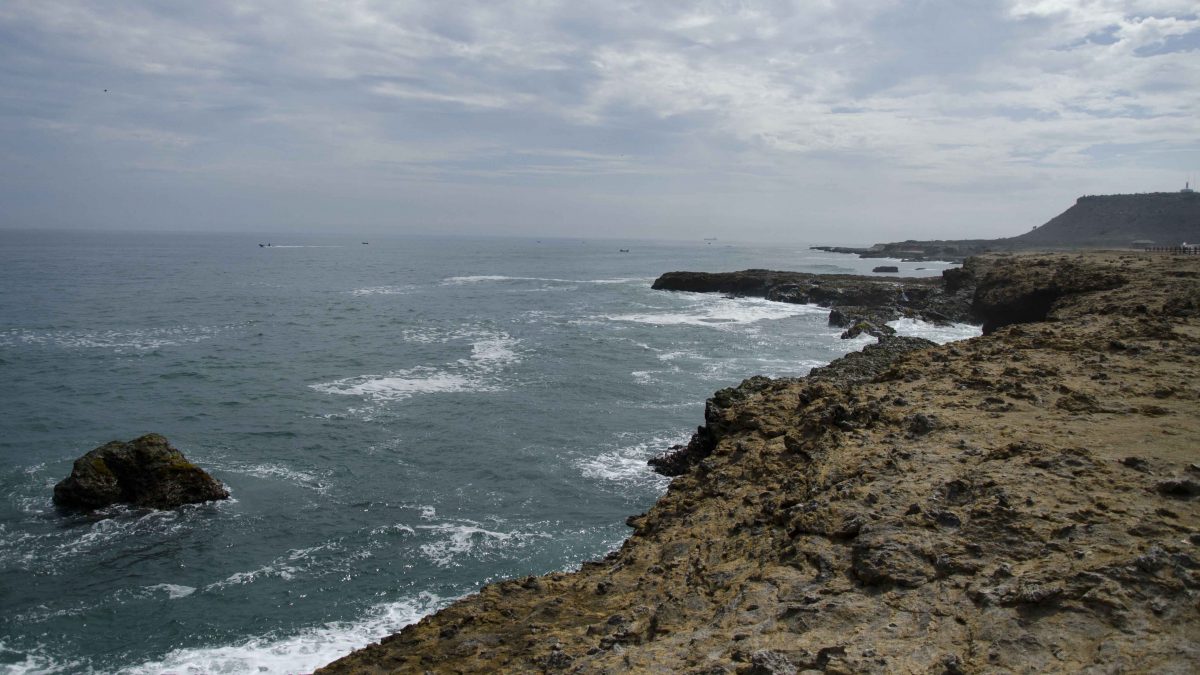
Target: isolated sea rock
<point x="146" y="471"/>
<point x="886" y="268"/>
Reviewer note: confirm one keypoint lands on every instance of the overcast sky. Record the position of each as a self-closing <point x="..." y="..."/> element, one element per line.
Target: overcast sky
<point x="824" y="121"/>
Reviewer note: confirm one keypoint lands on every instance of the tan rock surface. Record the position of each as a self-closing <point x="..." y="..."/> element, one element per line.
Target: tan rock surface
<point x="1023" y="501"/>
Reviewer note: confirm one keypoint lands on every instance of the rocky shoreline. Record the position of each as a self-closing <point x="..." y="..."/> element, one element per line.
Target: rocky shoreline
<point x="1022" y="501"/>
<point x="862" y="304"/>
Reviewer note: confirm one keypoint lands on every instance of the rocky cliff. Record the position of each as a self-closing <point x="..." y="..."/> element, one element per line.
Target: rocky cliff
<point x="1023" y="501"/>
<point x="1116" y="221"/>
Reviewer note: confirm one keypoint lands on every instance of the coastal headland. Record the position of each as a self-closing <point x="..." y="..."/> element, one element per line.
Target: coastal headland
<point x="1132" y="221"/>
<point x="1028" y="500"/>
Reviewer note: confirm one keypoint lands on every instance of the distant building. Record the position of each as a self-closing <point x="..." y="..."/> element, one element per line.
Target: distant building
<point x="1187" y="187"/>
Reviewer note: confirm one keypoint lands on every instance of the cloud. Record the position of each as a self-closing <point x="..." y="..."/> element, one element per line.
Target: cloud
<point x="997" y="114"/>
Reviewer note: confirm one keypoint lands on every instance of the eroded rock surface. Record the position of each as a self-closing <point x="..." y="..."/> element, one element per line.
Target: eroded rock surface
<point x="1025" y="501"/>
<point x="146" y="471"/>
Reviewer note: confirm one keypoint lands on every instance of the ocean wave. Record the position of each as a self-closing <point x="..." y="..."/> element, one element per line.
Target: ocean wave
<point x="470" y="538"/>
<point x="383" y="290"/>
<point x="38" y="661"/>
<point x="720" y="313"/>
<point x="490" y="352"/>
<point x="119" y="341"/>
<point x="671" y="356"/>
<point x="173" y="591"/>
<point x="304" y="651"/>
<point x="397" y="385"/>
<point x="274" y="471"/>
<point x="50" y="552"/>
<point x="485" y="278"/>
<point x="290" y="565"/>
<point x="626" y="465"/>
<point x="934" y="332"/>
<point x="495" y="350"/>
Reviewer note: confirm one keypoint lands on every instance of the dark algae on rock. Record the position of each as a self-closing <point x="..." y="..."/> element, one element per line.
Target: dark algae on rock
<point x="1024" y="501"/>
<point x="146" y="471"/>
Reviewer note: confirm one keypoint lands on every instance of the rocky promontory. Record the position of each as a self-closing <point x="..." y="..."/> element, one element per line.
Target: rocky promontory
<point x="853" y="299"/>
<point x="146" y="471"/>
<point x="1129" y="221"/>
<point x="1024" y="501"/>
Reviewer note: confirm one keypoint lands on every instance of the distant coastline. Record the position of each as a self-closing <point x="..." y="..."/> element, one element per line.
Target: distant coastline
<point x="1125" y="221"/>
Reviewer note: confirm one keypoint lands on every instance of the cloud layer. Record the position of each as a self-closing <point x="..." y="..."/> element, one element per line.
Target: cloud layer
<point x="818" y="121"/>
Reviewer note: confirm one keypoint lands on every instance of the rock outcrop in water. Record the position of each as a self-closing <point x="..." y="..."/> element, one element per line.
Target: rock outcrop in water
<point x="1024" y="501"/>
<point x="146" y="471"/>
<point x="859" y="303"/>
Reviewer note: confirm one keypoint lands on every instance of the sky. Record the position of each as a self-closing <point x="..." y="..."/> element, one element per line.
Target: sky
<point x="827" y="121"/>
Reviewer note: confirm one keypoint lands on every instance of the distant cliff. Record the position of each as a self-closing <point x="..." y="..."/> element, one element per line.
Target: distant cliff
<point x="1116" y="221"/>
<point x="1094" y="222"/>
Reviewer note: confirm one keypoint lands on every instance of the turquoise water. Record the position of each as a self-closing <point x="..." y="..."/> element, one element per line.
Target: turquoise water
<point x="398" y="423"/>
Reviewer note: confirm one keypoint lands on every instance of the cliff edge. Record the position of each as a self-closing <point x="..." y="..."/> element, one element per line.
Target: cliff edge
<point x="1028" y="500"/>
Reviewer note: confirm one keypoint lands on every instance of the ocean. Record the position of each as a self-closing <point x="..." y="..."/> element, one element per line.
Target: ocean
<point x="399" y="422"/>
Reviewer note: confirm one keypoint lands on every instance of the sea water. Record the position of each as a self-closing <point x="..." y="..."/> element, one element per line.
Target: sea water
<point x="399" y="422"/>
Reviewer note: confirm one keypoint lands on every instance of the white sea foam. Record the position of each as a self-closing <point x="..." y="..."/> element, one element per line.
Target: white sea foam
<point x="490" y="352"/>
<point x="400" y="384"/>
<point x="435" y="335"/>
<point x="484" y="278"/>
<point x="285" y="567"/>
<point x="280" y="570"/>
<point x="275" y="471"/>
<point x="392" y="529"/>
<point x="721" y="312"/>
<point x="478" y="279"/>
<point x="496" y="350"/>
<point x="671" y="356"/>
<point x="173" y="591"/>
<point x="468" y="537"/>
<point x="52" y="551"/>
<point x="645" y="376"/>
<point x="138" y="340"/>
<point x="38" y="661"/>
<point x="932" y="331"/>
<point x="383" y="290"/>
<point x="626" y="465"/>
<point x="302" y="652"/>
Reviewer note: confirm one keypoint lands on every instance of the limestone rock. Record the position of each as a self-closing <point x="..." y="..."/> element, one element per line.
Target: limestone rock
<point x="146" y="471"/>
